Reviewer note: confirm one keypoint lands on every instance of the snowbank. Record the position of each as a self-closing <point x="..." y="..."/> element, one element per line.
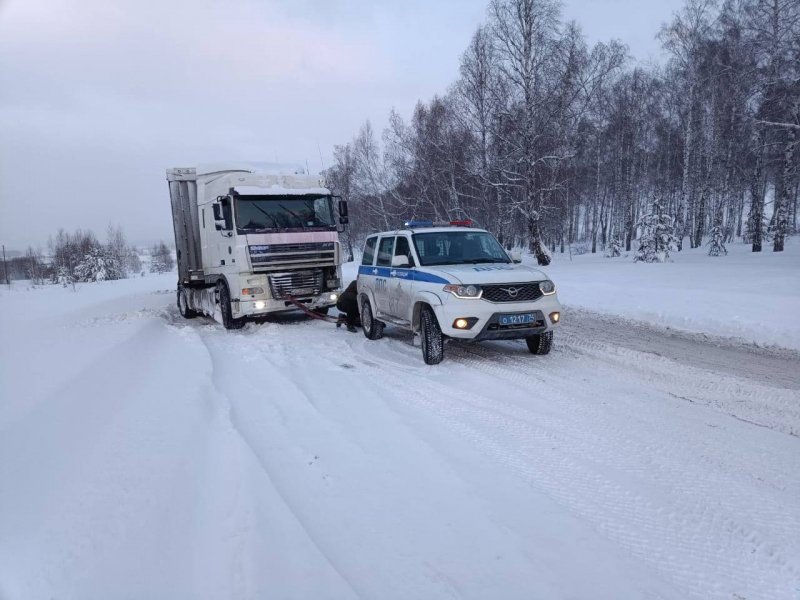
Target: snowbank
<point x="752" y="296"/>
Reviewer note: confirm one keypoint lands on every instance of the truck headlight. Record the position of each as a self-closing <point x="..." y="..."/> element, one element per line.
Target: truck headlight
<point x="547" y="287"/>
<point x="464" y="291"/>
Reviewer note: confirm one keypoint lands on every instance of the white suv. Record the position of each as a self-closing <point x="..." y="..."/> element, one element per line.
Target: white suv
<point x="453" y="282"/>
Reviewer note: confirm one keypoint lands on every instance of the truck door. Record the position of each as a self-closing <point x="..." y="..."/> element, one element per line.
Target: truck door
<point x="383" y="266"/>
<point x="401" y="280"/>
<point x="222" y="250"/>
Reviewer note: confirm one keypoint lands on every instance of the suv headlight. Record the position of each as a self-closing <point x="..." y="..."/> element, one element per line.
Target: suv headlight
<point x="464" y="291"/>
<point x="547" y="287"/>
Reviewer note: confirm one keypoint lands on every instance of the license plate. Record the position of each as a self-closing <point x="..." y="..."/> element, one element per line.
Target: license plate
<point x="523" y="319"/>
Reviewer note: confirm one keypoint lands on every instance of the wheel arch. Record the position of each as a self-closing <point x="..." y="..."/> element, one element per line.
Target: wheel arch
<point x="424" y="299"/>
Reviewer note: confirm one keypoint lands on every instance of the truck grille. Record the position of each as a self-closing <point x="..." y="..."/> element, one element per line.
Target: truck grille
<point x="512" y="292"/>
<point x="299" y="283"/>
<point x="281" y="254"/>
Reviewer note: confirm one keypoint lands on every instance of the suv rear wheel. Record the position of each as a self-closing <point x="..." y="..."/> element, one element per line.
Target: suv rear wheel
<point x="540" y="343"/>
<point x="431" y="337"/>
<point x="373" y="329"/>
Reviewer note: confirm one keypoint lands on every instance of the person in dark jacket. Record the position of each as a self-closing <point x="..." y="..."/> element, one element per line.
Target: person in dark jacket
<point x="348" y="304"/>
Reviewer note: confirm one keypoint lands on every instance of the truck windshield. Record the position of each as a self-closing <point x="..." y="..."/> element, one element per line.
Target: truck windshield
<point x="256" y="213"/>
<point x="458" y="247"/>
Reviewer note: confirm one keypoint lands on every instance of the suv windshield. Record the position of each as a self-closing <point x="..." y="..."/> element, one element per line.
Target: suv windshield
<point x="254" y="213"/>
<point x="458" y="247"/>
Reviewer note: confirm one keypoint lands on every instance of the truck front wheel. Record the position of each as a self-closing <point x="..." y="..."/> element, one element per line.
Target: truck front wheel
<point x="224" y="299"/>
<point x="183" y="304"/>
<point x="431" y="337"/>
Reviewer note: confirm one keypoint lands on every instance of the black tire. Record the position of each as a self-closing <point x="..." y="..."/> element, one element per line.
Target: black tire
<point x="431" y="337"/>
<point x="224" y="296"/>
<point x="183" y="304"/>
<point x="373" y="329"/>
<point x="540" y="343"/>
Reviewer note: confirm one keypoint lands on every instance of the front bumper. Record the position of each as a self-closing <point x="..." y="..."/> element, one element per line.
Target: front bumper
<point x="255" y="307"/>
<point x="488" y="314"/>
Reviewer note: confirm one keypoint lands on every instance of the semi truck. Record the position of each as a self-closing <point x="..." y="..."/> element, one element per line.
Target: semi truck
<point x="254" y="239"/>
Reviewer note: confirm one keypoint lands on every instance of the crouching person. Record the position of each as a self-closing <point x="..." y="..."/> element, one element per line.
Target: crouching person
<point x="348" y="304"/>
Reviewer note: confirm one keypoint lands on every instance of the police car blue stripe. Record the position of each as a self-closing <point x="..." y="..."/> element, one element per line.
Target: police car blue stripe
<point x="411" y="274"/>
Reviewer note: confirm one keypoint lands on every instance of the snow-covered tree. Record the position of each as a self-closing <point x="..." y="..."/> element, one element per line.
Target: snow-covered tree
<point x="98" y="265"/>
<point x="614" y="248"/>
<point x="657" y="235"/>
<point x="64" y="277"/>
<point x="716" y="245"/>
<point x="161" y="260"/>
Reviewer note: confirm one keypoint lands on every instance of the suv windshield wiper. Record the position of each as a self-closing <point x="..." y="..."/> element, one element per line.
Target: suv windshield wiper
<point x="476" y="261"/>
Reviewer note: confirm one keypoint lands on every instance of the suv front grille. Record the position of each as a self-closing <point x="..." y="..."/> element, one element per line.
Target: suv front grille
<point x="512" y="292"/>
<point x="299" y="283"/>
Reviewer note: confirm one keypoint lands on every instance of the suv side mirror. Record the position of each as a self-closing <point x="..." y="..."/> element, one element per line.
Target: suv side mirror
<point x="516" y="256"/>
<point x="343" y="215"/>
<point x="401" y="261"/>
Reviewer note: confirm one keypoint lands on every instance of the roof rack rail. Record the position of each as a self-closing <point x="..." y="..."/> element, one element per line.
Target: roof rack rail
<point x="420" y="224"/>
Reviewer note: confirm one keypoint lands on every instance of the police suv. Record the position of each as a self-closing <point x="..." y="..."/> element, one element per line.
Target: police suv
<point x="453" y="281"/>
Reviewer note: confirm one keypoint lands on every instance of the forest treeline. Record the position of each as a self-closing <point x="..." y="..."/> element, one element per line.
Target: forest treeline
<point x="80" y="257"/>
<point x="546" y="141"/>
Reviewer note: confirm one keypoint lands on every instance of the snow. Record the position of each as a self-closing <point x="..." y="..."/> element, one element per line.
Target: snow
<point x="271" y="168"/>
<point x="754" y="296"/>
<point x="146" y="456"/>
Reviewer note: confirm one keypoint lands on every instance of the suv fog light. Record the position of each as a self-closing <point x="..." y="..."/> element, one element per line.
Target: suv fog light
<point x="464" y="322"/>
<point x="555" y="316"/>
<point x="261" y="305"/>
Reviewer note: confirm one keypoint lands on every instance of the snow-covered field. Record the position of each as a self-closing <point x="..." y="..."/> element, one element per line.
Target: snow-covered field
<point x="143" y="456"/>
<point x="752" y="296"/>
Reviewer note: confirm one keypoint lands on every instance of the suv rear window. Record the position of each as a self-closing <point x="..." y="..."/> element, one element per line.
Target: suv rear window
<point x="369" y="251"/>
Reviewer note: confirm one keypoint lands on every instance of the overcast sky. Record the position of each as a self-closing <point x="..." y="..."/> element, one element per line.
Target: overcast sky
<point x="98" y="97"/>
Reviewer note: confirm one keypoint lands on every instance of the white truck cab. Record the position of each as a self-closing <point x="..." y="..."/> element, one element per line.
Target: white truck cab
<point x="453" y="282"/>
<point x="253" y="239"/>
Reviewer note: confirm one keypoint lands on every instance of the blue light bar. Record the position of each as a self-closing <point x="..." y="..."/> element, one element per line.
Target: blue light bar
<point x="417" y="224"/>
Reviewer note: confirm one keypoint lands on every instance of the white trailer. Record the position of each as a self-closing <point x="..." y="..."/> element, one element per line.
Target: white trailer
<point x="251" y="238"/>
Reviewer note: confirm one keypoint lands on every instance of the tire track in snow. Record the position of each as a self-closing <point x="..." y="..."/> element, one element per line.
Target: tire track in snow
<point x="233" y="419"/>
<point x="692" y="529"/>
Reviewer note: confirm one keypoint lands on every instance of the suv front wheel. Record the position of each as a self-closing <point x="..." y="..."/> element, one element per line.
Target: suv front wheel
<point x="540" y="343"/>
<point x="431" y="337"/>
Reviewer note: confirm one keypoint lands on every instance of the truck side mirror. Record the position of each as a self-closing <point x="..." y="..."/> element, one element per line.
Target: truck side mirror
<point x="219" y="217"/>
<point x="343" y="216"/>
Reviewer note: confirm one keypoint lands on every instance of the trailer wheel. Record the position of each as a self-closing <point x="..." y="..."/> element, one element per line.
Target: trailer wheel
<point x="373" y="329"/>
<point x="540" y="343"/>
<point x="224" y="296"/>
<point x="183" y="304"/>
<point x="431" y="337"/>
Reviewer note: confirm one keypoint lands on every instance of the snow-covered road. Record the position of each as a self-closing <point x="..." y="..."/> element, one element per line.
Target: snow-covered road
<point x="146" y="456"/>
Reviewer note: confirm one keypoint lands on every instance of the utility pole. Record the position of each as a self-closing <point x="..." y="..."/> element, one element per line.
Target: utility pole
<point x="5" y="268"/>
